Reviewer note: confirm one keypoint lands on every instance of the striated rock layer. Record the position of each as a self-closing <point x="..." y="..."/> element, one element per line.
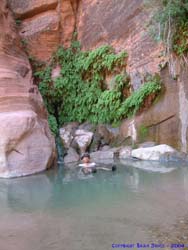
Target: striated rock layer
<point x="26" y="144"/>
<point x="123" y="24"/>
<point x="44" y="25"/>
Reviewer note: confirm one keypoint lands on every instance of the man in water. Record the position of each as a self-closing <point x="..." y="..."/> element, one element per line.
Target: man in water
<point x="89" y="167"/>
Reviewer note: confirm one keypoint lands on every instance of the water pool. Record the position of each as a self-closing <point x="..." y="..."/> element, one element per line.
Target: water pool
<point x="61" y="210"/>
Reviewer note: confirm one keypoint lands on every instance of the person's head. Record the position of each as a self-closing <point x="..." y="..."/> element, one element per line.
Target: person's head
<point x="85" y="158"/>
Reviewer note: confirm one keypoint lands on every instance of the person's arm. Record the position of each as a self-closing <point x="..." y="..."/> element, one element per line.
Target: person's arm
<point x="102" y="168"/>
<point x="92" y="165"/>
<point x="113" y="168"/>
<point x="82" y="165"/>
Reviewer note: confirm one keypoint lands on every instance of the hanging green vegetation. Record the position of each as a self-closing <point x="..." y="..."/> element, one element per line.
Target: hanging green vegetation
<point x="170" y="23"/>
<point x="135" y="101"/>
<point x="81" y="93"/>
<point x="180" y="40"/>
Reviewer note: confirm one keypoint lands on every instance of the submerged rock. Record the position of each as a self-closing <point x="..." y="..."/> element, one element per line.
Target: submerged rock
<point x="152" y="153"/>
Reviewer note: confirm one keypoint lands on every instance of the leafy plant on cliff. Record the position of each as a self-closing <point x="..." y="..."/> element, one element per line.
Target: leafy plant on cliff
<point x="180" y="40"/>
<point x="76" y="93"/>
<point x="170" y="23"/>
<point x="81" y="92"/>
<point x="53" y="124"/>
<point x="135" y="101"/>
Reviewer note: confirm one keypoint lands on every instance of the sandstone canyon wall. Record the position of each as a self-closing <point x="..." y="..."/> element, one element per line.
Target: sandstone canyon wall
<point x="123" y="24"/>
<point x="44" y="24"/>
<point x="26" y="143"/>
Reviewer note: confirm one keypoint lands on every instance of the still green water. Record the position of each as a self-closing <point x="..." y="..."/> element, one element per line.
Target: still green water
<point x="63" y="210"/>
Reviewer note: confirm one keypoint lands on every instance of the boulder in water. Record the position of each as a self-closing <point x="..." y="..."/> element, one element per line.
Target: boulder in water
<point x="152" y="153"/>
<point x="105" y="156"/>
<point x="125" y="152"/>
<point x="100" y="155"/>
<point x="26" y="145"/>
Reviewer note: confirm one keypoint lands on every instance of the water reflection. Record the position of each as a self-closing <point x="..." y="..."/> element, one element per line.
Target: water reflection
<point x="58" y="206"/>
<point x="26" y="194"/>
<point x="67" y="188"/>
<point x="151" y="166"/>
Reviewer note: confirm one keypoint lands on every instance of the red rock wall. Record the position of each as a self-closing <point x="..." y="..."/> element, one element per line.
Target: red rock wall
<point x="44" y="25"/>
<point x="161" y="120"/>
<point x="26" y="144"/>
<point x="121" y="23"/>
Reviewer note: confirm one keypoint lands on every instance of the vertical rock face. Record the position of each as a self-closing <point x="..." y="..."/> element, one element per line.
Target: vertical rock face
<point x="123" y="25"/>
<point x="26" y="144"/>
<point x="44" y="25"/>
<point x="161" y="121"/>
<point x="183" y="108"/>
<point x="68" y="12"/>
